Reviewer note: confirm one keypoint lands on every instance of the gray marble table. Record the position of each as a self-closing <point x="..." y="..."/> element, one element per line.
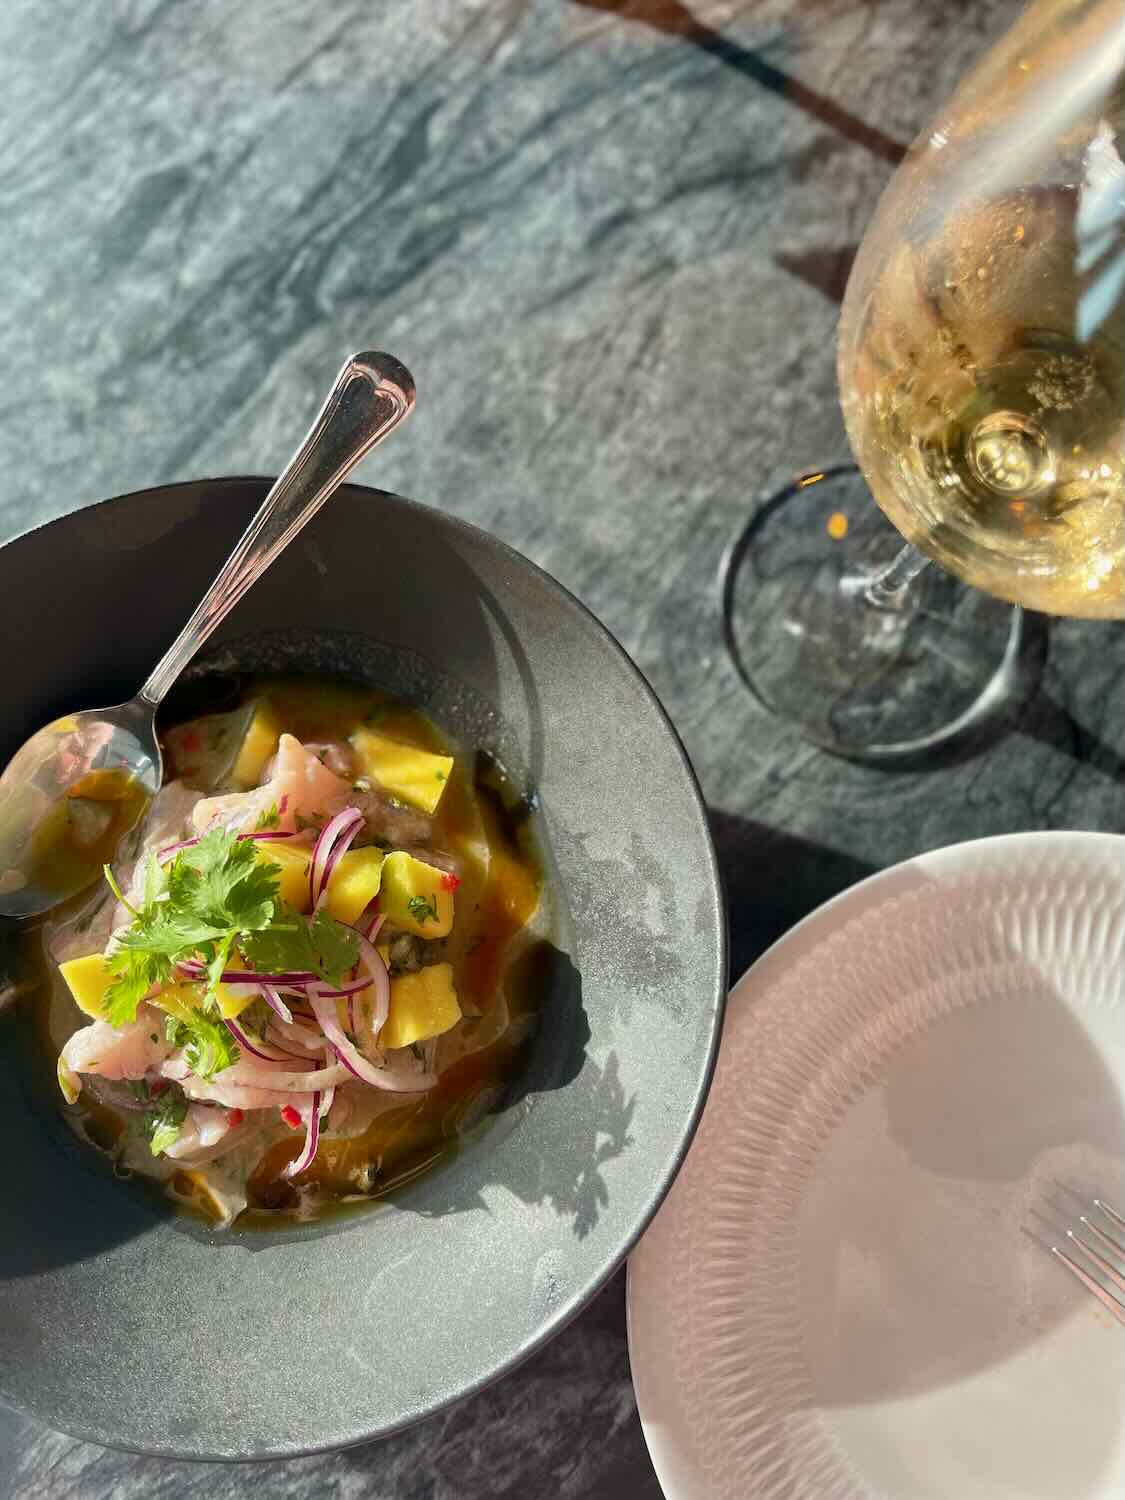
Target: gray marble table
<point x="609" y="239"/>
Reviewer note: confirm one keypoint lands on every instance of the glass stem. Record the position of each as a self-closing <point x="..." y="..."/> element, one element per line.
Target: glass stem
<point x="889" y="589"/>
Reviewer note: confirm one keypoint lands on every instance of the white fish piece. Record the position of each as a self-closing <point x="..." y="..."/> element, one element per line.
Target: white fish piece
<point x="118" y="1052"/>
<point x="300" y="784"/>
<point x="237" y="811"/>
<point x="337" y="755"/>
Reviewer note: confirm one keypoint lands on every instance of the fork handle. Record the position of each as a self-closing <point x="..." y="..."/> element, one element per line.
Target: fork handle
<point x="370" y="397"/>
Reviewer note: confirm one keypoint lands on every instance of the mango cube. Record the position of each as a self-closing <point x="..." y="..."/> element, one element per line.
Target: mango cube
<point x="258" y="744"/>
<point x="415" y="896"/>
<point x="293" y="882"/>
<point x="354" y="883"/>
<point x="413" y="775"/>
<point x="204" y="750"/>
<point x="233" y="999"/>
<point x="88" y="979"/>
<point x="422" y="1005"/>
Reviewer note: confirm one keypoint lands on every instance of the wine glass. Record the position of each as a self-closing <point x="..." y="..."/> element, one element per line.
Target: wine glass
<point x="981" y="366"/>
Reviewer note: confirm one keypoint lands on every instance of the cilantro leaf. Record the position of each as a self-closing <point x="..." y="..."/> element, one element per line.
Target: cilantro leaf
<point x="287" y="945"/>
<point x="217" y="962"/>
<point x="323" y="946"/>
<point x="134" y="973"/>
<point x="221" y="884"/>
<point x="211" y="897"/>
<point x="198" y="903"/>
<point x="422" y="908"/>
<point x="208" y="1046"/>
<point x="337" y="947"/>
<point x="156" y="882"/>
<point x="162" y="1123"/>
<point x="270" y="818"/>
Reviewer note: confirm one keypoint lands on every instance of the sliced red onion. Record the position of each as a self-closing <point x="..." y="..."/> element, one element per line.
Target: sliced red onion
<point x="370" y="919"/>
<point x="388" y="1079"/>
<point x="327" y="1102"/>
<point x="332" y="842"/>
<point x="301" y="1036"/>
<point x="242" y="1037"/>
<point x="354" y="1060"/>
<point x="244" y="1041"/>
<point x="371" y="960"/>
<point x="345" y="991"/>
<point x="343" y="844"/>
<point x="276" y="1003"/>
<point x="299" y="977"/>
<point x="312" y="1140"/>
<point x="192" y="968"/>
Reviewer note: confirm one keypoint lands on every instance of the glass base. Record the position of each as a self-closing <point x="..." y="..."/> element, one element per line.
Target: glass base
<point x="866" y="682"/>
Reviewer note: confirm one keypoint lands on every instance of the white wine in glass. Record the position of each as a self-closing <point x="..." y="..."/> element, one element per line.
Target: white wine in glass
<point x="981" y="366"/>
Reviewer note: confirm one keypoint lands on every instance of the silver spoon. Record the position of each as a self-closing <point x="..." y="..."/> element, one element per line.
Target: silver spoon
<point x="370" y="397"/>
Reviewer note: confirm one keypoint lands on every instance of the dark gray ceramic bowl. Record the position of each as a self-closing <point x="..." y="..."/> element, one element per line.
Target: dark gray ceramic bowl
<point x="128" y="1326"/>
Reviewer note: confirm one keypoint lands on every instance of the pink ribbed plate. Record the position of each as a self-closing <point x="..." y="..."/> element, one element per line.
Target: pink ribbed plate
<point x="838" y="1300"/>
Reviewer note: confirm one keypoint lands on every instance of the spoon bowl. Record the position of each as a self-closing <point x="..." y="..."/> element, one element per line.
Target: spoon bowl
<point x="78" y="784"/>
<point x="45" y="800"/>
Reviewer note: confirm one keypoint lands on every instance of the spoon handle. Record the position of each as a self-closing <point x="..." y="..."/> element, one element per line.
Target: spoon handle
<point x="371" y="396"/>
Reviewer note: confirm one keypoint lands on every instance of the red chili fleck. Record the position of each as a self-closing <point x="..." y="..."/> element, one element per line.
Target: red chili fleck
<point x="192" y="740"/>
<point x="157" y="1088"/>
<point x="291" y="1117"/>
<point x="235" y="1117"/>
<point x="284" y="803"/>
<point x="450" y="882"/>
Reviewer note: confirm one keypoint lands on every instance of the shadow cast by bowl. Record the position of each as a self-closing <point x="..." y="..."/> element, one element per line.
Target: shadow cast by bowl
<point x="573" y="1183"/>
<point x="802" y="876"/>
<point x="679" y="20"/>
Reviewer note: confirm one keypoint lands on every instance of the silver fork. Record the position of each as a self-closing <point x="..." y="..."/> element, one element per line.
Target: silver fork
<point x="1087" y="1247"/>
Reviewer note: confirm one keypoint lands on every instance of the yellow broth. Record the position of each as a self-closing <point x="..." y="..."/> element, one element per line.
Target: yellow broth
<point x="82" y="829"/>
<point x="496" y="960"/>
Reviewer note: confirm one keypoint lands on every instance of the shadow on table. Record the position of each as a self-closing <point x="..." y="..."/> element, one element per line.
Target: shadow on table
<point x="772" y="880"/>
<point x="676" y="19"/>
<point x="1054" y="725"/>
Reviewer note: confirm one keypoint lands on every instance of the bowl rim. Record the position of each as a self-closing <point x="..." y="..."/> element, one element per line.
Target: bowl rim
<point x="583" y="1296"/>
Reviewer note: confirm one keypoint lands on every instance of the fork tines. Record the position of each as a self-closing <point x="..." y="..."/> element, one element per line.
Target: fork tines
<point x="1086" y="1243"/>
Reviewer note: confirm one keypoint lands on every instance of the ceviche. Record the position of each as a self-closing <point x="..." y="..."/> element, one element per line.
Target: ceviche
<point x="302" y="978"/>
